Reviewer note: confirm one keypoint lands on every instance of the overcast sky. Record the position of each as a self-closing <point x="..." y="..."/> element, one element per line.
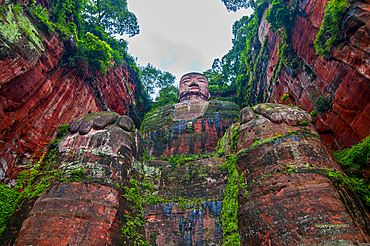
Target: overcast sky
<point x="181" y="36"/>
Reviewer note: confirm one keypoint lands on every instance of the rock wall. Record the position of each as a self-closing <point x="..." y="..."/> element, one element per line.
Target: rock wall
<point x="188" y="127"/>
<point x="294" y="193"/>
<point x="190" y="202"/>
<point x="340" y="82"/>
<point x="37" y="93"/>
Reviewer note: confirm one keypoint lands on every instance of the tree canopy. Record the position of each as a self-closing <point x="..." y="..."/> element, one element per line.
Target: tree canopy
<point x="112" y="15"/>
<point x="152" y="77"/>
<point x="166" y="96"/>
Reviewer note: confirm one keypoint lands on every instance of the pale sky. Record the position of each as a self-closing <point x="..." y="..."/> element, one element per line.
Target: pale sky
<point x="181" y="36"/>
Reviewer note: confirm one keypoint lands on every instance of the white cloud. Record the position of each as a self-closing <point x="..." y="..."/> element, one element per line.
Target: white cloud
<point x="178" y="36"/>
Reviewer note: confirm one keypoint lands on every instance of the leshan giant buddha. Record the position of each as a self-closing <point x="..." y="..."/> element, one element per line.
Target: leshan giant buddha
<point x="192" y="125"/>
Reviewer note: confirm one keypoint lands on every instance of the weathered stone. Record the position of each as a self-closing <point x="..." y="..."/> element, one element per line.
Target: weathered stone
<point x="342" y="80"/>
<point x="106" y="118"/>
<point x="84" y="128"/>
<point x="125" y="123"/>
<point x="246" y="115"/>
<point x="193" y="216"/>
<point x="290" y="198"/>
<point x="71" y="213"/>
<point x="193" y="86"/>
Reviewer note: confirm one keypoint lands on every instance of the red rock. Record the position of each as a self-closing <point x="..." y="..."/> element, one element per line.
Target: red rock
<point x="37" y="94"/>
<point x="91" y="211"/>
<point x="189" y="127"/>
<point x="71" y="213"/>
<point x="344" y="78"/>
<point x="291" y="199"/>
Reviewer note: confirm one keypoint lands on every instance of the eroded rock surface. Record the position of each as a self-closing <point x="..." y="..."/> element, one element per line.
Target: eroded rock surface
<point x="98" y="156"/>
<point x="190" y="202"/>
<point x="291" y="196"/>
<point x="338" y="87"/>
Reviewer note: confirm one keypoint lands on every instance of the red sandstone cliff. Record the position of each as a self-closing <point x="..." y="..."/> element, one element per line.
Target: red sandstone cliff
<point x="343" y="79"/>
<point x="37" y="93"/>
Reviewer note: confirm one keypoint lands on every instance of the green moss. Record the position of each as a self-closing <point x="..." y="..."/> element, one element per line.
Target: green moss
<point x="313" y="113"/>
<point x="356" y="157"/>
<point x="134" y="220"/>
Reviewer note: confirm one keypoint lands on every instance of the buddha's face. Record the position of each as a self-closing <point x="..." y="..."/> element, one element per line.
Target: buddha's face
<point x="193" y="86"/>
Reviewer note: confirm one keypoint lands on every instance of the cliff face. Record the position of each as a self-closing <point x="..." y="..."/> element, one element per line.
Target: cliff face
<point x="37" y="94"/>
<point x="338" y="87"/>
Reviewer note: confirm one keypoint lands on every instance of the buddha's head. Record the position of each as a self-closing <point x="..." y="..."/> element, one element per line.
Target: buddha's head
<point x="193" y="86"/>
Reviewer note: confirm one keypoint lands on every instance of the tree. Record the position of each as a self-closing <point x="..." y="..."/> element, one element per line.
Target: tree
<point x="166" y="96"/>
<point x="234" y="5"/>
<point x="112" y="15"/>
<point x="152" y="78"/>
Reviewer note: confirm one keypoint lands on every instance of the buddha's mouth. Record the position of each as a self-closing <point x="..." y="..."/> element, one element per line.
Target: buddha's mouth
<point x="194" y="87"/>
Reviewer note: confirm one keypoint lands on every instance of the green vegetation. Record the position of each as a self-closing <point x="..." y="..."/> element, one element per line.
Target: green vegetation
<point x="93" y="26"/>
<point x="135" y="220"/>
<point x="329" y="33"/>
<point x="166" y="96"/>
<point x="9" y="199"/>
<point x="229" y="213"/>
<point x="279" y="15"/>
<point x="31" y="182"/>
<point x="321" y="103"/>
<point x="152" y="77"/>
<point x="284" y="98"/>
<point x="313" y="113"/>
<point x="95" y="51"/>
<point x="352" y="161"/>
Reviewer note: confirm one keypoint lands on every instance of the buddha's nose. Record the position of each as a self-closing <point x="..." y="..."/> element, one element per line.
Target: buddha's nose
<point x="194" y="82"/>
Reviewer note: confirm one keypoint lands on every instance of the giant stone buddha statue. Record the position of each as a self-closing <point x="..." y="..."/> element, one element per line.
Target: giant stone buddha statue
<point x="192" y="125"/>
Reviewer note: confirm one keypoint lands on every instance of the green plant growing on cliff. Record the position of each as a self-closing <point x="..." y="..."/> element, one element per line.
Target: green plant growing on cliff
<point x="9" y="199"/>
<point x="313" y="113"/>
<point x="130" y="229"/>
<point x="97" y="52"/>
<point x="77" y="174"/>
<point x="229" y="213"/>
<point x="329" y="33"/>
<point x="279" y="15"/>
<point x="353" y="159"/>
<point x="321" y="103"/>
<point x="284" y="98"/>
<point x="234" y="138"/>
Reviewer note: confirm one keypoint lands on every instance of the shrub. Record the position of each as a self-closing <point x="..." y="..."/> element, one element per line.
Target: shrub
<point x="329" y="33"/>
<point x="352" y="160"/>
<point x="8" y="203"/>
<point x="97" y="52"/>
<point x="284" y="97"/>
